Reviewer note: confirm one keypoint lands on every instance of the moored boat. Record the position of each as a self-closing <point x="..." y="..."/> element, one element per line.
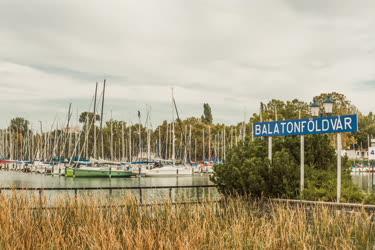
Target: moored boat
<point x="97" y="172"/>
<point x="169" y="170"/>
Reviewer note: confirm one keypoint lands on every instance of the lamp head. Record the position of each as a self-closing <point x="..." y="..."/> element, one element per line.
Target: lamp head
<point x="328" y="105"/>
<point x="314" y="108"/>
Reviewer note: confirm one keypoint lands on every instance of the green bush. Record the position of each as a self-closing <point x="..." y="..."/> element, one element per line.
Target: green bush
<point x="247" y="171"/>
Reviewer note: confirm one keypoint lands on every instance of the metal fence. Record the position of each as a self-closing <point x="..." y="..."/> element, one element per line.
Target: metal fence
<point x="140" y="190"/>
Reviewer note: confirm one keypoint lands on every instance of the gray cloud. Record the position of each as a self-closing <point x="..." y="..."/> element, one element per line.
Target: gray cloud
<point x="232" y="54"/>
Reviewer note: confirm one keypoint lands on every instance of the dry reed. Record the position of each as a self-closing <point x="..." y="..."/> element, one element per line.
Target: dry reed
<point x="88" y="223"/>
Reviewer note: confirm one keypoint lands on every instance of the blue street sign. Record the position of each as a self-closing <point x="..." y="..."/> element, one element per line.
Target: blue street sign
<point x="321" y="125"/>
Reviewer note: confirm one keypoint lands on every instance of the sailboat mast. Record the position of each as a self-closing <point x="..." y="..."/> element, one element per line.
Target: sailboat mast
<point x="185" y="142"/>
<point x="130" y="144"/>
<point x="5" y="139"/>
<point x="111" y="137"/>
<point x="86" y="143"/>
<point x="148" y="145"/>
<point x="209" y="142"/>
<point x="67" y="132"/>
<point x="195" y="149"/>
<point x="140" y="151"/>
<point x="159" y="147"/>
<point x="189" y="142"/>
<point x="166" y="141"/>
<point x="203" y="151"/>
<point x="123" y="140"/>
<point x="94" y="119"/>
<point x="10" y="143"/>
<point x="101" y="122"/>
<point x="148" y="135"/>
<point x="55" y="141"/>
<point x="173" y="134"/>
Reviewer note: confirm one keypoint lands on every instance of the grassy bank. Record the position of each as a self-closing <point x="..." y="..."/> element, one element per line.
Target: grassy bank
<point x="235" y="224"/>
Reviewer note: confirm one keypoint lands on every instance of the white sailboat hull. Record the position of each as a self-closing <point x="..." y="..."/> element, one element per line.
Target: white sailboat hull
<point x="169" y="171"/>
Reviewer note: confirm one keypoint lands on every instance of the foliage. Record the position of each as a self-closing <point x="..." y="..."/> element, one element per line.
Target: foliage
<point x="367" y="125"/>
<point x="19" y="125"/>
<point x="248" y="171"/>
<point x="85" y="117"/>
<point x="322" y="185"/>
<point x="207" y="114"/>
<point x="342" y="105"/>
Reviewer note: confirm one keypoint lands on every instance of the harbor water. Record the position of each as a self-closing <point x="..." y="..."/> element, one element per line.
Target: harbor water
<point x="34" y="180"/>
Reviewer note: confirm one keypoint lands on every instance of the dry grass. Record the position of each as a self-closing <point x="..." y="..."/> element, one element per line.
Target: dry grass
<point x="235" y="224"/>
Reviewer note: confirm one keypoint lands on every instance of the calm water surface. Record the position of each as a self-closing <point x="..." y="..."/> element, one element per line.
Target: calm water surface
<point x="18" y="179"/>
<point x="27" y="180"/>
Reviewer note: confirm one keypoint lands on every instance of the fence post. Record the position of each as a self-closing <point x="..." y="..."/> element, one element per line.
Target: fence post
<point x="170" y="195"/>
<point x="140" y="196"/>
<point x="75" y="193"/>
<point x="40" y="197"/>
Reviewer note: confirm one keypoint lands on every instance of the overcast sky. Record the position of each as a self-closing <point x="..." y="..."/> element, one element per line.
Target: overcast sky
<point x="231" y="54"/>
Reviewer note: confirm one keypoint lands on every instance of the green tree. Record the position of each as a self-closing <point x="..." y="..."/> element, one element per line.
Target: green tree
<point x="20" y="125"/>
<point x="88" y="116"/>
<point x="247" y="171"/>
<point x="20" y="128"/>
<point x="207" y="114"/>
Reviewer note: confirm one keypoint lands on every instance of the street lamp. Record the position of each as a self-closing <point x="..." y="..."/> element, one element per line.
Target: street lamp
<point x="328" y="105"/>
<point x="328" y="109"/>
<point x="315" y="108"/>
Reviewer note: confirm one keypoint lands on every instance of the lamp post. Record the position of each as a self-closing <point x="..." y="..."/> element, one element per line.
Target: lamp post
<point x="302" y="162"/>
<point x="328" y="110"/>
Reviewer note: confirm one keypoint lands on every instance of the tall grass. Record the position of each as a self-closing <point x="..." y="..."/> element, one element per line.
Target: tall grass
<point x="234" y="224"/>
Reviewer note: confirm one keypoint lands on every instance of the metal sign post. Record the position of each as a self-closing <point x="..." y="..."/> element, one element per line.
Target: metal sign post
<point x="302" y="162"/>
<point x="302" y="166"/>
<point x="270" y="148"/>
<point x="339" y="146"/>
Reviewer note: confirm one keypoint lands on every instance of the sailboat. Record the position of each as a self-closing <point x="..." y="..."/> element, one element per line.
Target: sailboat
<point x="100" y="168"/>
<point x="170" y="169"/>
